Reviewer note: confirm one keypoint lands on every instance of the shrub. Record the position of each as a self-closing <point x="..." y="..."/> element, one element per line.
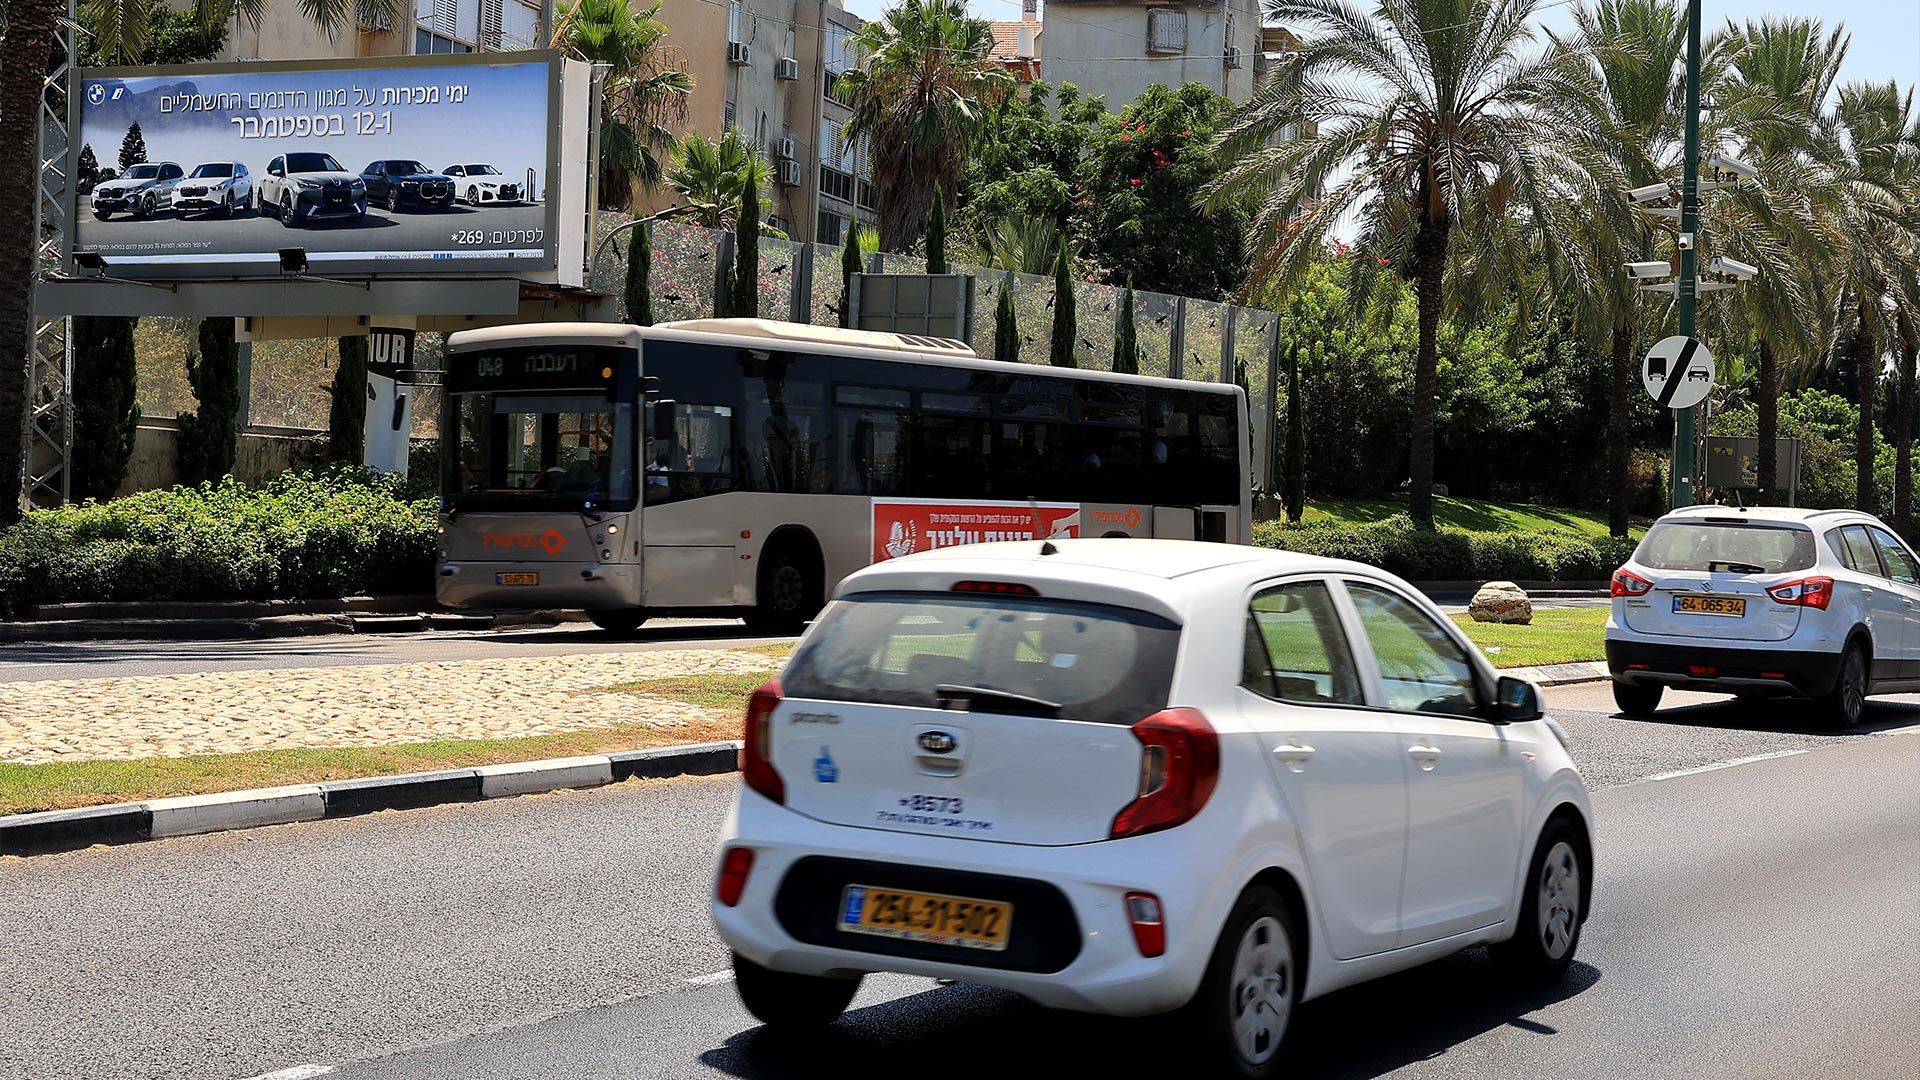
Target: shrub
<point x="1396" y="546"/>
<point x="300" y="535"/>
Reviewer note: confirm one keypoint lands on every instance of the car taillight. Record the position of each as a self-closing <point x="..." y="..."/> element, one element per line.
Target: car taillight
<point x="1813" y="592"/>
<point x="756" y="744"/>
<point x="734" y="869"/>
<point x="1179" y="765"/>
<point x="1149" y="925"/>
<point x="1628" y="583"/>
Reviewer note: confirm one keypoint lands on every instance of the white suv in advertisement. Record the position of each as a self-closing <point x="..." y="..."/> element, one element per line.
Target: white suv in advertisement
<point x="311" y="188"/>
<point x="215" y="187"/>
<point x="1766" y="602"/>
<point x="142" y="191"/>
<point x="1137" y="776"/>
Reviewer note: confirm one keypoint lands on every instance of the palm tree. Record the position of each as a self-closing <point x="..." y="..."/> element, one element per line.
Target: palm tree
<point x="120" y="28"/>
<point x="1428" y="116"/>
<point x="1023" y="244"/>
<point x="921" y="94"/>
<point x="643" y="95"/>
<point x="711" y="176"/>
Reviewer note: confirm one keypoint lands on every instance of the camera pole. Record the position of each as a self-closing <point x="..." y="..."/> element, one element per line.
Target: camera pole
<point x="1686" y="286"/>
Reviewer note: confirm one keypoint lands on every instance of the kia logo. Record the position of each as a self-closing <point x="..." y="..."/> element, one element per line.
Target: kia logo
<point x="937" y="742"/>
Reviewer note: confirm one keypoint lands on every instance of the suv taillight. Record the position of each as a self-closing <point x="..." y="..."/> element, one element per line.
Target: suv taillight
<point x="1813" y="592"/>
<point x="1179" y="765"/>
<point x="1628" y="583"/>
<point x="756" y="744"/>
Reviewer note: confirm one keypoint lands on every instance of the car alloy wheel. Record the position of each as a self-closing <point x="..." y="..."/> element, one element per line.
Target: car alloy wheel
<point x="1262" y="990"/>
<point x="1558" y="899"/>
<point x="286" y="211"/>
<point x="473" y="195"/>
<point x="1848" y="701"/>
<point x="393" y="200"/>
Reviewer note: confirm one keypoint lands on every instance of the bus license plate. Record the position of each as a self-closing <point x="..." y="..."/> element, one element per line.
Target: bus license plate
<point x="1710" y="605"/>
<point x="517" y="579"/>
<point x="938" y="920"/>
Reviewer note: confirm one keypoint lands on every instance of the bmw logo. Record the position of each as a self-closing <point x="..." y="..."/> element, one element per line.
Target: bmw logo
<point x="96" y="93"/>
<point x="937" y="742"/>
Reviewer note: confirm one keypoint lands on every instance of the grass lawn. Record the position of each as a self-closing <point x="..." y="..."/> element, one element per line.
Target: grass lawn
<point x="1474" y="515"/>
<point x="1557" y="636"/>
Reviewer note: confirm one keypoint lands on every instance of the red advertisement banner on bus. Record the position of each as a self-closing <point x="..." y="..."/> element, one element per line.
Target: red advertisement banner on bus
<point x="905" y="526"/>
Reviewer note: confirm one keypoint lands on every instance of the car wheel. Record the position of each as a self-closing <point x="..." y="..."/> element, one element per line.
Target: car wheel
<point x="619" y="622"/>
<point x="1548" y="931"/>
<point x="226" y="208"/>
<point x="1246" y="998"/>
<point x="101" y="215"/>
<point x="393" y="200"/>
<point x="1637" y="699"/>
<point x="790" y="1002"/>
<point x="473" y="195"/>
<point x="1843" y="706"/>
<point x="286" y="211"/>
<point x="789" y="593"/>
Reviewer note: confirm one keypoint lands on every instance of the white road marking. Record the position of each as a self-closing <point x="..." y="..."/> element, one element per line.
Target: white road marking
<point x="297" y="1072"/>
<point x="1719" y="765"/>
<point x="714" y="979"/>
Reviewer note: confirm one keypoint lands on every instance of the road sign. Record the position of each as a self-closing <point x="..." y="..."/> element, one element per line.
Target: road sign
<point x="1678" y="372"/>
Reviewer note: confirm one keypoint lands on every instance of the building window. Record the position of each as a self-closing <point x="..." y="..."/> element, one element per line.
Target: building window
<point x="832" y="229"/>
<point x="836" y="184"/>
<point x="426" y="43"/>
<point x="726" y="120"/>
<point x="1166" y="31"/>
<point x="733" y="20"/>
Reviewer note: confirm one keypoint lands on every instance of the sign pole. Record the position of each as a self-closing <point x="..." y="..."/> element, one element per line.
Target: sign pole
<point x="1683" y="494"/>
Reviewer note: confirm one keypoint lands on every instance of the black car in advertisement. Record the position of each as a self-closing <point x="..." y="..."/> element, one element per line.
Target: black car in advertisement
<point x="397" y="182"/>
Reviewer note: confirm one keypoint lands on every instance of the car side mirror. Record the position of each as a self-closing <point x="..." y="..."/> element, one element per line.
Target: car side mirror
<point x="1516" y="701"/>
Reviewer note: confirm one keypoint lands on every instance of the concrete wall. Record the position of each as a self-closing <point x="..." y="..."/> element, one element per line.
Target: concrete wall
<point x="263" y="452"/>
<point x="1102" y="49"/>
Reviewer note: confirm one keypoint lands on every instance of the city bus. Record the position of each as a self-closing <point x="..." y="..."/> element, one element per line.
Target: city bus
<point x="741" y="467"/>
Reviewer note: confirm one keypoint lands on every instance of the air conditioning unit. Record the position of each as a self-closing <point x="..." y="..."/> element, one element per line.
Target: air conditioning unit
<point x="789" y="172"/>
<point x="1233" y="56"/>
<point x="739" y="52"/>
<point x="784" y="149"/>
<point x="786" y="68"/>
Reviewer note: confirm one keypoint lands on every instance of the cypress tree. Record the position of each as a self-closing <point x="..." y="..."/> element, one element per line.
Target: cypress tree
<point x="745" y="275"/>
<point x="849" y="266"/>
<point x="87" y="170"/>
<point x="347" y="416"/>
<point x="1126" y="343"/>
<point x="133" y="148"/>
<point x="1293" y="472"/>
<point x="1006" y="335"/>
<point x="640" y="278"/>
<point x="105" y="412"/>
<point x="209" y="436"/>
<point x="937" y="234"/>
<point x="1063" y="320"/>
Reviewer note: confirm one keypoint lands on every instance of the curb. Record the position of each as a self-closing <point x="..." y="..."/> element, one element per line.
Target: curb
<point x="1560" y="674"/>
<point x="227" y="628"/>
<point x="124" y="823"/>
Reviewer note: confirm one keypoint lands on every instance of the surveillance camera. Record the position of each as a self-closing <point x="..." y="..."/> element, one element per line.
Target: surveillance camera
<point x="1722" y="163"/>
<point x="1650" y="193"/>
<point x="1733" y="268"/>
<point x="1644" y="270"/>
<point x="1686" y="241"/>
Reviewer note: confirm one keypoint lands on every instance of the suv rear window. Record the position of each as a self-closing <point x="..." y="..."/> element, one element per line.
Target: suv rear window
<point x="1711" y="545"/>
<point x="1106" y="664"/>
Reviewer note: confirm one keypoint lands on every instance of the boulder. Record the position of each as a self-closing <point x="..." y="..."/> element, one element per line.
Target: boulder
<point x="1501" y="602"/>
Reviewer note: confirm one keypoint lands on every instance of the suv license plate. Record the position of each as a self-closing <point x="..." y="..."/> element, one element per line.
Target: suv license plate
<point x="1710" y="605"/>
<point x="938" y="920"/>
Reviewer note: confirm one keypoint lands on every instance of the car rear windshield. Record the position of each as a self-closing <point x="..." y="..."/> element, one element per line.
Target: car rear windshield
<point x="1099" y="663"/>
<point x="1726" y="546"/>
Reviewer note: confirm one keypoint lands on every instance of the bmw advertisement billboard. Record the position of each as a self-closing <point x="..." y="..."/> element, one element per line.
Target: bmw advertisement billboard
<point x="435" y="164"/>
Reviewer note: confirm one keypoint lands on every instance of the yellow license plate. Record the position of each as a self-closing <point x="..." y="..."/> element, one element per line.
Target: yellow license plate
<point x="1710" y="605"/>
<point x="518" y="579"/>
<point x="939" y="920"/>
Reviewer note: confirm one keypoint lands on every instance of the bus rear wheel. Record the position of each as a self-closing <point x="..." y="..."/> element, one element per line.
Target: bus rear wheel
<point x="789" y="592"/>
<point x="619" y="622"/>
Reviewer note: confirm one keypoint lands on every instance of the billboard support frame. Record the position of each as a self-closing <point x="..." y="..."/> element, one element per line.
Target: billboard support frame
<point x="47" y="465"/>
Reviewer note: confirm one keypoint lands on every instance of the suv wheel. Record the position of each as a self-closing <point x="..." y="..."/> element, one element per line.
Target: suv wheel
<point x="287" y="217"/>
<point x="1847" y="701"/>
<point x="1246" y="999"/>
<point x="1542" y="946"/>
<point x="791" y="1002"/>
<point x="1637" y="699"/>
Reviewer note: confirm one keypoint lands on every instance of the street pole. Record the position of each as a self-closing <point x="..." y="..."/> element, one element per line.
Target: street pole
<point x="1683" y="494"/>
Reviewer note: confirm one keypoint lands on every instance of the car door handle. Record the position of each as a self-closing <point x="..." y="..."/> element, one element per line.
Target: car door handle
<point x="1425" y="754"/>
<point x="1294" y="753"/>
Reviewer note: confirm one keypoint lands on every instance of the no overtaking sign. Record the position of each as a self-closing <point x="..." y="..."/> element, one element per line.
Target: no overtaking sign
<point x="1678" y="372"/>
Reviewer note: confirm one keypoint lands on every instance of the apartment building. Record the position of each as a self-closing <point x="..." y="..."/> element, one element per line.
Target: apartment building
<point x="1118" y="49"/>
<point x="437" y="26"/>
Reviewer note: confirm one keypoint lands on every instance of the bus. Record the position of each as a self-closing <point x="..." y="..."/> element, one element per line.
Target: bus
<point x="742" y="467"/>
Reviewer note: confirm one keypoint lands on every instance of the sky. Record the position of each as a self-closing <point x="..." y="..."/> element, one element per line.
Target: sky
<point x="1886" y="33"/>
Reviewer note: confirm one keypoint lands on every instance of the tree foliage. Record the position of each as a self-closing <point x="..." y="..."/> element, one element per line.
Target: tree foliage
<point x="643" y="94"/>
<point x="347" y="416"/>
<point x="171" y="36"/>
<point x="1126" y="341"/>
<point x="106" y="411"/>
<point x="1006" y="330"/>
<point x="1064" y="327"/>
<point x="1293" y="466"/>
<point x="133" y="147"/>
<point x="937" y="233"/>
<point x="210" y="435"/>
<point x="639" y="283"/>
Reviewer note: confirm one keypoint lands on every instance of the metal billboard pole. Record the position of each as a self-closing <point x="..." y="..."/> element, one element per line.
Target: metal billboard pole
<point x="1687" y="285"/>
<point x="48" y="479"/>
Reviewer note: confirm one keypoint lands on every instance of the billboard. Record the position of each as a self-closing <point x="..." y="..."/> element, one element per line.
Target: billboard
<point x="904" y="526"/>
<point x="439" y="164"/>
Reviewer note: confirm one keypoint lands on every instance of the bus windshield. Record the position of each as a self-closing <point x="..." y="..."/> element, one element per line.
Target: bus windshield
<point x="557" y="447"/>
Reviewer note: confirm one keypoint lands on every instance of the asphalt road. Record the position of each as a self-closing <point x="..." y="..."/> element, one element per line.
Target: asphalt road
<point x="1757" y="915"/>
<point x="166" y="233"/>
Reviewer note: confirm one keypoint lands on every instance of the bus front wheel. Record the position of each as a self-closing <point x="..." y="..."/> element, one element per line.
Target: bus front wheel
<point x="619" y="622"/>
<point x="789" y="592"/>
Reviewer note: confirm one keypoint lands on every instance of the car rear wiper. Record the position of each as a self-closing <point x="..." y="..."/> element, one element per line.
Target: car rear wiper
<point x="1721" y="565"/>
<point x="1010" y="702"/>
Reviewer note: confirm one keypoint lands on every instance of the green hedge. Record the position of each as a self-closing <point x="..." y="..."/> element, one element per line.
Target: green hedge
<point x="1451" y="555"/>
<point x="300" y="535"/>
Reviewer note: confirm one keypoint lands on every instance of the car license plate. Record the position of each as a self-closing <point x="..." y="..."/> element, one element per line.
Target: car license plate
<point x="517" y="579"/>
<point x="1710" y="605"/>
<point x="940" y="920"/>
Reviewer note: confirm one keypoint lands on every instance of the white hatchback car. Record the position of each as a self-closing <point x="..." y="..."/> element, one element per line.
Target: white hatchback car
<point x="1766" y="602"/>
<point x="1132" y="776"/>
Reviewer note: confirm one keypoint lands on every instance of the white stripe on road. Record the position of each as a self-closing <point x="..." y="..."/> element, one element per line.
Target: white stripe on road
<point x="714" y="979"/>
<point x="1719" y="765"/>
<point x="298" y="1072"/>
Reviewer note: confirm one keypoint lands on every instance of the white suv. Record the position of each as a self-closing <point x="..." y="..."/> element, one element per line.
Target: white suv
<point x="1131" y="776"/>
<point x="1766" y="602"/>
